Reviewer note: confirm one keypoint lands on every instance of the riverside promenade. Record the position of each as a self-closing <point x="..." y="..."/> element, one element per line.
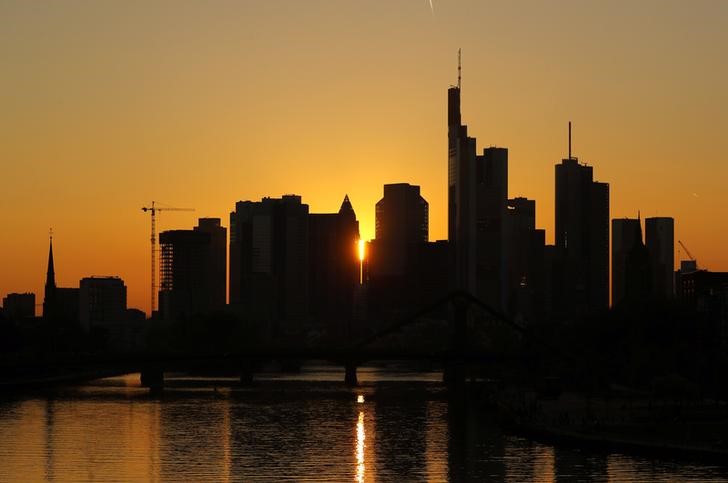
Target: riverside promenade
<point x="692" y="430"/>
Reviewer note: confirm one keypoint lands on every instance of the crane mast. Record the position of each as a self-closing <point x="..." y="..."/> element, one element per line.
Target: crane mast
<point x="153" y="209"/>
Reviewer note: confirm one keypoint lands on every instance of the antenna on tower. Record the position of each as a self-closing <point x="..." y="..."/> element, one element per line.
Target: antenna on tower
<point x="459" y="68"/>
<point x="569" y="139"/>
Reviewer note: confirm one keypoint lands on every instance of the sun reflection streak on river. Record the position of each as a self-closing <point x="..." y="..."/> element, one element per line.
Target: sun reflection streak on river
<point x="360" y="446"/>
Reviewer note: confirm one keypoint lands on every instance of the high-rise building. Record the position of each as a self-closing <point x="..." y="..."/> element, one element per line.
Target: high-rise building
<point x="523" y="256"/>
<point x="491" y="175"/>
<point x="333" y="268"/>
<point x="626" y="238"/>
<point x="404" y="271"/>
<point x="19" y="306"/>
<point x="660" y="241"/>
<point x="269" y="262"/>
<point x="401" y="219"/>
<point x="102" y="302"/>
<point x="192" y="270"/>
<point x="461" y="195"/>
<point x="582" y="236"/>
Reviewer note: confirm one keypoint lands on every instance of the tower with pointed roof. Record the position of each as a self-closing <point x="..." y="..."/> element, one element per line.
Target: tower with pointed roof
<point x="49" y="297"/>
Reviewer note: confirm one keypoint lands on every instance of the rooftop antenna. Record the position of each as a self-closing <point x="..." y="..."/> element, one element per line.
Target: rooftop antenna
<point x="459" y="68"/>
<point x="569" y="139"/>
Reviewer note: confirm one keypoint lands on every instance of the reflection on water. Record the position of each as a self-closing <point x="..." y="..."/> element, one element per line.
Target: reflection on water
<point x="294" y="430"/>
<point x="360" y="445"/>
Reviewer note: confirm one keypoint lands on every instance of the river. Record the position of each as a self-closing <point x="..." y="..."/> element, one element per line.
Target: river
<point x="397" y="426"/>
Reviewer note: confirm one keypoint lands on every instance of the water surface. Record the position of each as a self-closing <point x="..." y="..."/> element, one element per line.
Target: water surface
<point x="398" y="426"/>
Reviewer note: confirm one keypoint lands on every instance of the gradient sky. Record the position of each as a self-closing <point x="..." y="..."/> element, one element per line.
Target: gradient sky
<point x="107" y="105"/>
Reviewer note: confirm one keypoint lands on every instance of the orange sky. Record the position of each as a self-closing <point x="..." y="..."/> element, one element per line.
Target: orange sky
<point x="105" y="106"/>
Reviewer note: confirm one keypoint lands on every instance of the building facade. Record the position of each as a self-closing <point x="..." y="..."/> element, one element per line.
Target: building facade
<point x="582" y="237"/>
<point x="660" y="242"/>
<point x="192" y="277"/>
<point x="269" y="262"/>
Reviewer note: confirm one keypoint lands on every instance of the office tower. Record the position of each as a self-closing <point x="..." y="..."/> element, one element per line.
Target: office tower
<point x="524" y="282"/>
<point x="491" y="185"/>
<point x="102" y="302"/>
<point x="333" y="268"/>
<point x="626" y="239"/>
<point x="660" y="241"/>
<point x="582" y="236"/>
<point x="461" y="195"/>
<point x="403" y="271"/>
<point x="269" y="262"/>
<point x="60" y="305"/>
<point x="401" y="219"/>
<point x="19" y="306"/>
<point x="192" y="280"/>
<point x="216" y="266"/>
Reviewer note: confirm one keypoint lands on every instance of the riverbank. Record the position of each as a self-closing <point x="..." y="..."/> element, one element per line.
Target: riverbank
<point x="696" y="431"/>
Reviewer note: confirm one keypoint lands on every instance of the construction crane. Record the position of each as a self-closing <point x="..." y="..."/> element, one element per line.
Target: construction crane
<point x="692" y="258"/>
<point x="153" y="210"/>
<point x="687" y="251"/>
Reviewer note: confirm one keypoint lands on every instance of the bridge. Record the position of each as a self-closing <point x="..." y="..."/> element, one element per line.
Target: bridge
<point x="457" y="353"/>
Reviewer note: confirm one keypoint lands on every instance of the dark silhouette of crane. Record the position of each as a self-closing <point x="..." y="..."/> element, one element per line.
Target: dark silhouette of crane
<point x="688" y="252"/>
<point x="153" y="210"/>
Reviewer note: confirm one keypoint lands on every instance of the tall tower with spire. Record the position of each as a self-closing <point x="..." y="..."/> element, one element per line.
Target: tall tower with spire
<point x="49" y="298"/>
<point x="460" y="193"/>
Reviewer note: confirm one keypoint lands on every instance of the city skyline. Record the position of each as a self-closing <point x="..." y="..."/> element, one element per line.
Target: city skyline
<point x="94" y="206"/>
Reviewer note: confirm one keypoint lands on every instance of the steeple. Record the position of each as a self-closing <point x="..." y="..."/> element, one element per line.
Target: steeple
<point x="49" y="299"/>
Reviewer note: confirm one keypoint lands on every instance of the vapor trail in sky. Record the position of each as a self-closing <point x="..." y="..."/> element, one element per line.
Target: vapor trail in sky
<point x="432" y="9"/>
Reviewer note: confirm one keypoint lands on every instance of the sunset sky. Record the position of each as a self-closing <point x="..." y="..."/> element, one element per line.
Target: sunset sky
<point x="108" y="105"/>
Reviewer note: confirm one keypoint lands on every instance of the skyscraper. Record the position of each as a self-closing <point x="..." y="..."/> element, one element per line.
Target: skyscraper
<point x="491" y="195"/>
<point x="582" y="236"/>
<point x="660" y="241"/>
<point x="192" y="277"/>
<point x="269" y="261"/>
<point x="401" y="219"/>
<point x="626" y="236"/>
<point x="333" y="267"/>
<point x="461" y="195"/>
<point x="522" y="251"/>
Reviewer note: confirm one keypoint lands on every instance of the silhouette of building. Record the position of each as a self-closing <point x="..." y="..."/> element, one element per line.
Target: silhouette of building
<point x="333" y="272"/>
<point x="192" y="270"/>
<point x="269" y="262"/>
<point x="60" y="305"/>
<point x="102" y="301"/>
<point x="461" y="196"/>
<point x="626" y="235"/>
<point x="401" y="219"/>
<point x="523" y="261"/>
<point x="582" y="236"/>
<point x="403" y="271"/>
<point x="19" y="306"/>
<point x="491" y="208"/>
<point x="660" y="241"/>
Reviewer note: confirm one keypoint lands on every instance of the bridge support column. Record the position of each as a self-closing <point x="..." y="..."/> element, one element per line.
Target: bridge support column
<point x="246" y="375"/>
<point x="454" y="373"/>
<point x="153" y="378"/>
<point x="350" y="375"/>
